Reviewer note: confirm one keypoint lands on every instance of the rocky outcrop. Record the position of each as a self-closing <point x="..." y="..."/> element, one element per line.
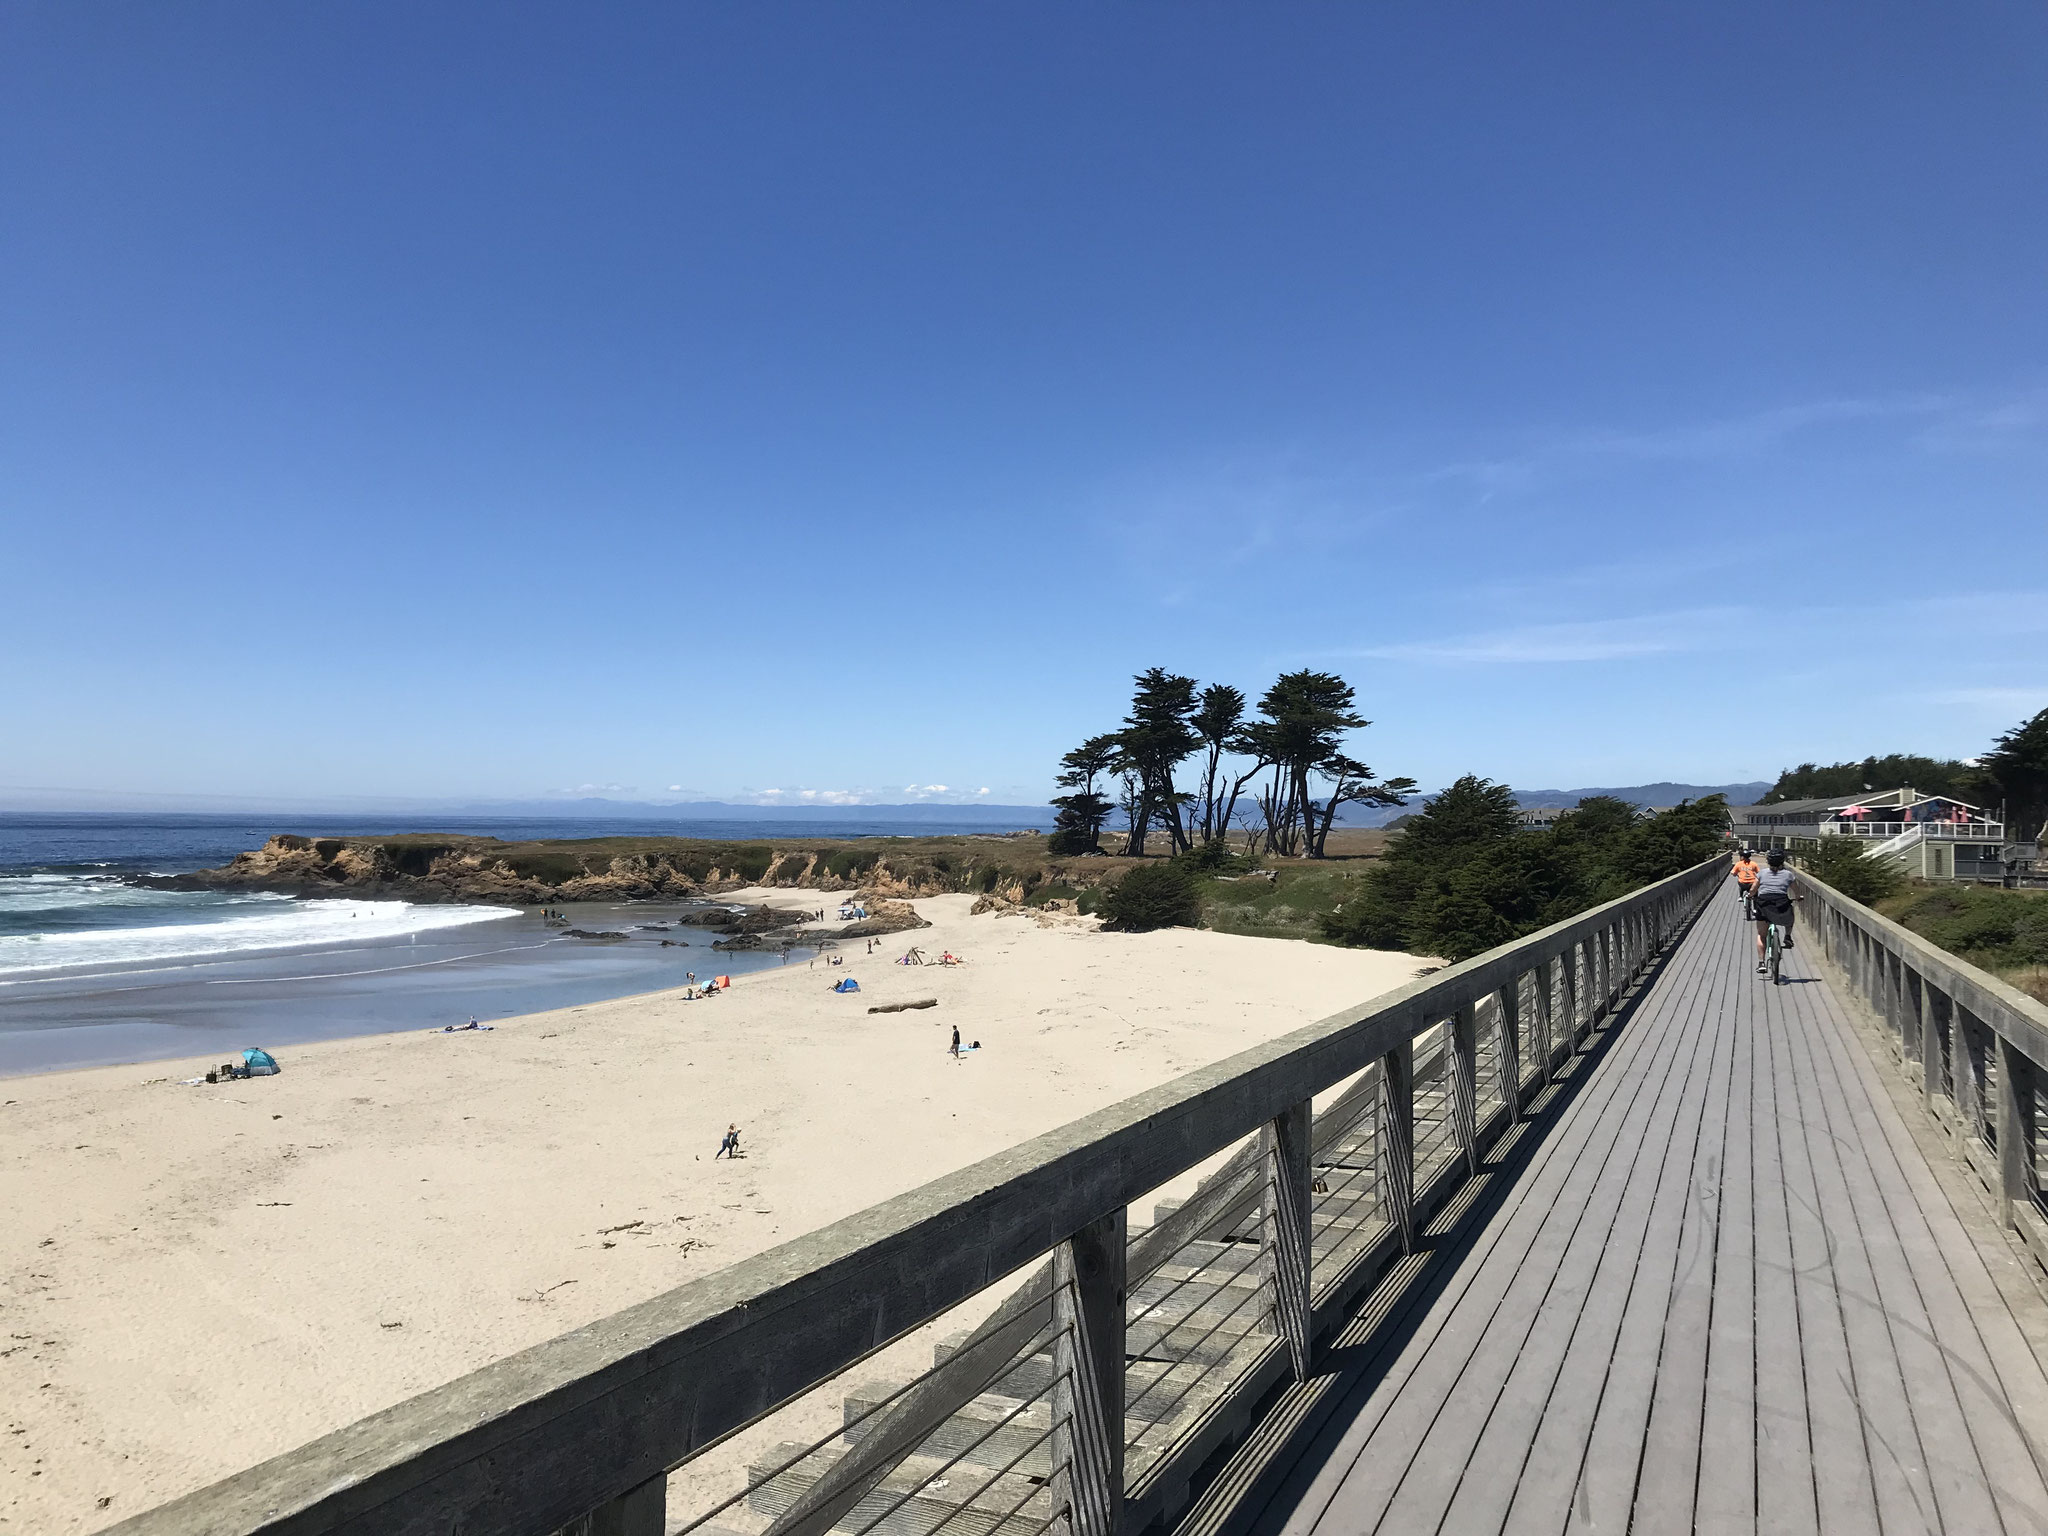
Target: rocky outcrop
<point x="437" y="868"/>
<point x="884" y="917"/>
<point x="467" y="870"/>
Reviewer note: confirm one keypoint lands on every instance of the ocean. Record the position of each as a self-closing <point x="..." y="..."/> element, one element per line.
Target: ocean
<point x="96" y="971"/>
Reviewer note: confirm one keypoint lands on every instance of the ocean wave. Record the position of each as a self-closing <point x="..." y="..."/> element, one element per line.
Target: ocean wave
<point x="230" y="930"/>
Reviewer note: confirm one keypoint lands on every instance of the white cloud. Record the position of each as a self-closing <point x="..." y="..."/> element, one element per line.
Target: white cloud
<point x="1585" y="640"/>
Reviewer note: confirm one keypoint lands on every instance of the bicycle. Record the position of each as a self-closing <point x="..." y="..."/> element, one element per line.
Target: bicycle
<point x="1774" y="949"/>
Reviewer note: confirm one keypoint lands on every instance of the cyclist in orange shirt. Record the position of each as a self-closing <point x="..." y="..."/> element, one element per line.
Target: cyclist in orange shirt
<point x="1746" y="872"/>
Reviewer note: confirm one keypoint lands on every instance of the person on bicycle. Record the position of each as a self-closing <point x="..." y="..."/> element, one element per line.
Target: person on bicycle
<point x="1776" y="890"/>
<point x="1746" y="871"/>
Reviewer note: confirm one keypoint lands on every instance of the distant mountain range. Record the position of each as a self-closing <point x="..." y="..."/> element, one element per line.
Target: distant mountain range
<point x="915" y="813"/>
<point x="1662" y="793"/>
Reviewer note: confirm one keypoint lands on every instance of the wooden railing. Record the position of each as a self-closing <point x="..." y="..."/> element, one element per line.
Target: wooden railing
<point x="581" y="1433"/>
<point x="1976" y="1047"/>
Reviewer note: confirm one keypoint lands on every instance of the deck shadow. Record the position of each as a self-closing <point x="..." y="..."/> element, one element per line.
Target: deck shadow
<point x="1252" y="1491"/>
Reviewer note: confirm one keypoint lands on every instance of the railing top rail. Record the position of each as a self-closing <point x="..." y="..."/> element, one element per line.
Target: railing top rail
<point x="528" y="1443"/>
<point x="2002" y="1008"/>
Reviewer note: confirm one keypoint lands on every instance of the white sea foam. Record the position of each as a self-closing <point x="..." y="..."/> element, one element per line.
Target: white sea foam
<point x="224" y="930"/>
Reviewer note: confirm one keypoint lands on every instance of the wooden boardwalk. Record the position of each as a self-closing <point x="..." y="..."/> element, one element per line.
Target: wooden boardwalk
<point x="1724" y="1293"/>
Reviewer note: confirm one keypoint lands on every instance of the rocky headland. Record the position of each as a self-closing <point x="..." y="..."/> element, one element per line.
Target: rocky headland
<point x="1002" y="871"/>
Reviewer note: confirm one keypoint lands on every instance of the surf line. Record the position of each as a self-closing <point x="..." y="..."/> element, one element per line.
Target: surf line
<point x="382" y="970"/>
<point x="75" y="969"/>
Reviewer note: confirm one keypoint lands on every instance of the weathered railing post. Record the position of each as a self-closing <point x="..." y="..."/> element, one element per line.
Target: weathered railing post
<point x="642" y="1512"/>
<point x="1397" y="1139"/>
<point x="1088" y="1390"/>
<point x="1287" y="1142"/>
<point x="1933" y="1042"/>
<point x="1546" y="980"/>
<point x="1895" y="996"/>
<point x="1912" y="1014"/>
<point x="2015" y="1128"/>
<point x="1464" y="1063"/>
<point x="1509" y="1007"/>
<point x="1961" y="1090"/>
<point x="1573" y="957"/>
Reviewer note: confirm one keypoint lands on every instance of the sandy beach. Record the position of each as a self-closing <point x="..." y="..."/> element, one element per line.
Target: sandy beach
<point x="197" y="1278"/>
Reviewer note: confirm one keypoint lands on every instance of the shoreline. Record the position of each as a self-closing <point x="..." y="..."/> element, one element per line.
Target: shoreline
<point x="288" y="997"/>
<point x="521" y="1182"/>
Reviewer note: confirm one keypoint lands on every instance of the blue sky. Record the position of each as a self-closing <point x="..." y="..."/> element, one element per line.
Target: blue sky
<point x="504" y="400"/>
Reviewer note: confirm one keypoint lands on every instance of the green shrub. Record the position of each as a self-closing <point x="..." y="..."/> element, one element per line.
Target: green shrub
<point x="851" y="863"/>
<point x="693" y="865"/>
<point x="1152" y="896"/>
<point x="550" y="866"/>
<point x="1070" y="840"/>
<point x="789" y="869"/>
<point x="988" y="879"/>
<point x="750" y="861"/>
<point x="1088" y="901"/>
<point x="1039" y="895"/>
<point x="1215" y="858"/>
<point x="1843" y="863"/>
<point x="1994" y="929"/>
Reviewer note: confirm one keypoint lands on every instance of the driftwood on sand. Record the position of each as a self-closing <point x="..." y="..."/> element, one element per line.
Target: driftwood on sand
<point x="922" y="1002"/>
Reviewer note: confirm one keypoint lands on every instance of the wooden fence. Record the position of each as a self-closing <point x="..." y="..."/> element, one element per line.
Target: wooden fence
<point x="1977" y="1048"/>
<point x="581" y="1434"/>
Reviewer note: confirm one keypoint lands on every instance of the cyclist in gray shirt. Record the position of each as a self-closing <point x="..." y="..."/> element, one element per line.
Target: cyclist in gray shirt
<point x="1776" y="889"/>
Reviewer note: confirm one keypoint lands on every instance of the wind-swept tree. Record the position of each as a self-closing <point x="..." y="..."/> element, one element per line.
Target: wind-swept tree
<point x="1219" y="721"/>
<point x="2018" y="764"/>
<point x="1077" y="828"/>
<point x="1306" y="716"/>
<point x="1158" y="736"/>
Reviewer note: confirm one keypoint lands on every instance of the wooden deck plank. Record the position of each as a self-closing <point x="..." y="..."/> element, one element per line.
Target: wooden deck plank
<point x="1787" y="1499"/>
<point x="1664" y="1336"/>
<point x="1491" y="1392"/>
<point x="1610" y="1361"/>
<point x="1871" y="1389"/>
<point x="1729" y="1296"/>
<point x="1347" y="1458"/>
<point x="1723" y="1498"/>
<point x="1843" y="1487"/>
<point x="1971" y="1400"/>
<point x="1957" y="1490"/>
<point x="1465" y="1387"/>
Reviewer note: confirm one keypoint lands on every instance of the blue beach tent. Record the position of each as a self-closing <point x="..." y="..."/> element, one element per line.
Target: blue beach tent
<point x="259" y="1063"/>
<point x="848" y="985"/>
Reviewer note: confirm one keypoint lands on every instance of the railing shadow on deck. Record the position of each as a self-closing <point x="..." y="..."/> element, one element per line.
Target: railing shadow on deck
<point x="1106" y="1377"/>
<point x="1975" y="1047"/>
<point x="1296" y="1434"/>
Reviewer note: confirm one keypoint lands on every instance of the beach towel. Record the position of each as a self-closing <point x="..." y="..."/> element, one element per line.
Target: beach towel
<point x="848" y="985"/>
<point x="259" y="1063"/>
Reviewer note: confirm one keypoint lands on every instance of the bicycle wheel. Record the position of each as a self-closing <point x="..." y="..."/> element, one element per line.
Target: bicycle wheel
<point x="1775" y="947"/>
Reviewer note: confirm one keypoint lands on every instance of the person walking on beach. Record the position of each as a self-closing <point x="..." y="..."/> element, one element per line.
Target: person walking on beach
<point x="954" y="1048"/>
<point x="730" y="1146"/>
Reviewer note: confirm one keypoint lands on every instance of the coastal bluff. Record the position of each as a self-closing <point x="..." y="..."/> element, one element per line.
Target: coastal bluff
<point x="428" y="867"/>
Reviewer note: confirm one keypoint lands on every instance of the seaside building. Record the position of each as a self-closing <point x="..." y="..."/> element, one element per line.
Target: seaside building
<point x="1930" y="837"/>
